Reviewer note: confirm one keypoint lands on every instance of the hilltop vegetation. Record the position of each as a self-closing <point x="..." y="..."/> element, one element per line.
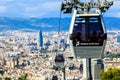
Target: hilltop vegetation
<point x="110" y="74"/>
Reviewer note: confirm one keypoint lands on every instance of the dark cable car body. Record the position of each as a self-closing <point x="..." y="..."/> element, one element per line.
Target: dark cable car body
<point x="54" y="77"/>
<point x="59" y="60"/>
<point x="87" y="35"/>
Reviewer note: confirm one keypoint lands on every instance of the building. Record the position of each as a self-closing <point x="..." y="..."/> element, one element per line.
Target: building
<point x="40" y="39"/>
<point x="118" y="38"/>
<point x="96" y="66"/>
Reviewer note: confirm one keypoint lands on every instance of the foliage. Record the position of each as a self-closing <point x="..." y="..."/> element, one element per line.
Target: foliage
<point x="23" y="77"/>
<point x="8" y="78"/>
<point x="111" y="55"/>
<point x="110" y="74"/>
<point x="2" y="72"/>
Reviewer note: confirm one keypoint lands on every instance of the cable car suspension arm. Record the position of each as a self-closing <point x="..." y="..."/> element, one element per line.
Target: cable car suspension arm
<point x="102" y="5"/>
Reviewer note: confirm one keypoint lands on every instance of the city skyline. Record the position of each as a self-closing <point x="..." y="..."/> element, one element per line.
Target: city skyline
<point x="35" y="43"/>
<point x="42" y="8"/>
<point x="40" y="67"/>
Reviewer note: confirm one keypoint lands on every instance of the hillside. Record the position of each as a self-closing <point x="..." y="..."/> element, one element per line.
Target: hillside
<point x="47" y="24"/>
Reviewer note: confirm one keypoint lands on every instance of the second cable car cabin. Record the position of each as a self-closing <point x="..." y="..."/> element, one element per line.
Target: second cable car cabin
<point x="87" y="35"/>
<point x="59" y="60"/>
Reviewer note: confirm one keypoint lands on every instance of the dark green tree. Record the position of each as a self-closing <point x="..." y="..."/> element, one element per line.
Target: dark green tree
<point x="8" y="78"/>
<point x="110" y="74"/>
<point x="2" y="72"/>
<point x="23" y="77"/>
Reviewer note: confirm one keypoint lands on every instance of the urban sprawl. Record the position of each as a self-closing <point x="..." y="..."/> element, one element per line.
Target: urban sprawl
<point x="20" y="54"/>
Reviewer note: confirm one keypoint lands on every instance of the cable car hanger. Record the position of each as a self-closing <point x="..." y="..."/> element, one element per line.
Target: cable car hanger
<point x="87" y="31"/>
<point x="102" y="6"/>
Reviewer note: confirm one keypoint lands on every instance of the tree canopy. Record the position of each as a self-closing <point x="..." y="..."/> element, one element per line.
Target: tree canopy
<point x="2" y="72"/>
<point x="8" y="78"/>
<point x="110" y="74"/>
<point x="23" y="77"/>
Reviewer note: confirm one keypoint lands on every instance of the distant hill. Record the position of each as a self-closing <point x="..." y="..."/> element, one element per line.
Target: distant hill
<point x="47" y="24"/>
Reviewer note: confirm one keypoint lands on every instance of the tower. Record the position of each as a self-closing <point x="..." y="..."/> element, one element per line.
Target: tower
<point x="96" y="66"/>
<point x="40" y="39"/>
<point x="118" y="38"/>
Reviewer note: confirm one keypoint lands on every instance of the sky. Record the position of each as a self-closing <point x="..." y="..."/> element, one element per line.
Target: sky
<point x="42" y="8"/>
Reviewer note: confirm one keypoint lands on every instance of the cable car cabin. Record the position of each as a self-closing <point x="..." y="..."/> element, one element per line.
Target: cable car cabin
<point x="59" y="60"/>
<point x="87" y="35"/>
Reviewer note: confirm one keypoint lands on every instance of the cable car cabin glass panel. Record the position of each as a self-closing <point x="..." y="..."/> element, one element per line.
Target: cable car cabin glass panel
<point x="88" y="31"/>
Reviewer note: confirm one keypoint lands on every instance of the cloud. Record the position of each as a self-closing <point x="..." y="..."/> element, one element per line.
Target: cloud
<point x="42" y="9"/>
<point x="51" y="6"/>
<point x="2" y="9"/>
<point x="114" y="10"/>
<point x="117" y="15"/>
<point x="39" y="8"/>
<point x="112" y="14"/>
<point x="6" y="0"/>
<point x="116" y="5"/>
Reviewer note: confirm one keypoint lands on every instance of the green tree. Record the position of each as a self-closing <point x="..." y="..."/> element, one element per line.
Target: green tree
<point x="110" y="74"/>
<point x="116" y="78"/>
<point x="2" y="72"/>
<point x="8" y="78"/>
<point x="23" y="77"/>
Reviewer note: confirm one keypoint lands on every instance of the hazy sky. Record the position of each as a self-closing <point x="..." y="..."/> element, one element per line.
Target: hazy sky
<point x="41" y="8"/>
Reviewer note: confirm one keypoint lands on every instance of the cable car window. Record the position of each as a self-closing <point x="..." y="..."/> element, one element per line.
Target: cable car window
<point x="87" y="32"/>
<point x="93" y="20"/>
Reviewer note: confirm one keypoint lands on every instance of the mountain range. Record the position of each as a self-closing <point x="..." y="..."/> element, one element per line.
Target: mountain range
<point x="48" y="24"/>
